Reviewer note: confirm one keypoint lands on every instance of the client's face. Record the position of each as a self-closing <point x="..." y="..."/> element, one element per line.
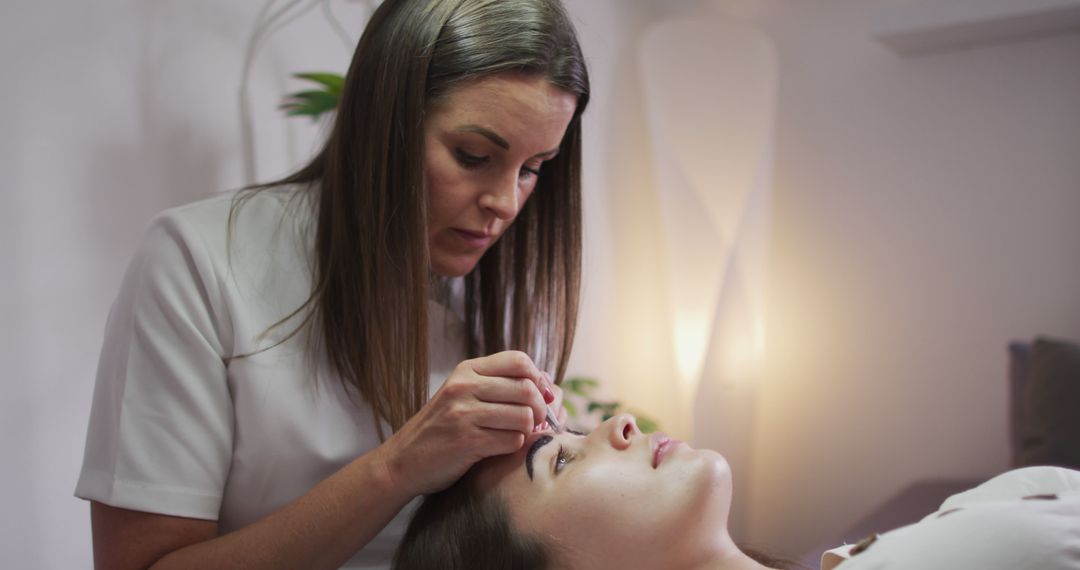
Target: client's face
<point x="615" y="496"/>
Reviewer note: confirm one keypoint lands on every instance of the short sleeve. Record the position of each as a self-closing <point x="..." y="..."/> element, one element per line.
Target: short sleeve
<point x="161" y="426"/>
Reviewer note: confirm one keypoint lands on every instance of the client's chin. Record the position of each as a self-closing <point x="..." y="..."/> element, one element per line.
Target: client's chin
<point x="708" y="473"/>
<point x="708" y="485"/>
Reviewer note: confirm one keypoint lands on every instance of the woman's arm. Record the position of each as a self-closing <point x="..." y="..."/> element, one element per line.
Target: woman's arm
<point x="483" y="409"/>
<point x="320" y="529"/>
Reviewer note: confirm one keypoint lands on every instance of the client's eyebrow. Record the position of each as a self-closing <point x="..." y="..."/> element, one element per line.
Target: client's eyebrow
<point x="536" y="445"/>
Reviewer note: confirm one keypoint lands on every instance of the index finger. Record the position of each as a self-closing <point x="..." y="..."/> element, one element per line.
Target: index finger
<point x="510" y="364"/>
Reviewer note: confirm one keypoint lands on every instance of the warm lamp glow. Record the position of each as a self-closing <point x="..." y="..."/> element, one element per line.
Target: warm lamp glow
<point x="743" y="358"/>
<point x="759" y="335"/>
<point x="690" y="335"/>
<point x="710" y="93"/>
<point x="743" y="353"/>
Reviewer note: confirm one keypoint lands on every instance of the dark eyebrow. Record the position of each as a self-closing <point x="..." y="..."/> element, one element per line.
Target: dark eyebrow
<point x="501" y="142"/>
<point x="536" y="445"/>
<point x="549" y="154"/>
<point x="491" y="135"/>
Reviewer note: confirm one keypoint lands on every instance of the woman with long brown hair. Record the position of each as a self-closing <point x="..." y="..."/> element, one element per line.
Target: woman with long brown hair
<point x="285" y="370"/>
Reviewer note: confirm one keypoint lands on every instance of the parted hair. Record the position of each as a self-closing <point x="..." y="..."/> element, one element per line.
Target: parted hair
<point x="371" y="269"/>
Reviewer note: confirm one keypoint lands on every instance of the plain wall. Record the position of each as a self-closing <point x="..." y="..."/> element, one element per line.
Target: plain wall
<point x="111" y="111"/>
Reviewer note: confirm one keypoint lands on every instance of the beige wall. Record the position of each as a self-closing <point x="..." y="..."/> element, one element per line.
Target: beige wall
<point x="110" y="112"/>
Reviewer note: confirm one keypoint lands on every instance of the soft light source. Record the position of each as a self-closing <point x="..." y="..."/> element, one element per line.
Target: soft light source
<point x="690" y="333"/>
<point x="710" y="90"/>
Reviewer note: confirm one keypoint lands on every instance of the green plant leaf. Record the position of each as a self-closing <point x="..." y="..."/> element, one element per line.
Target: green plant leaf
<point x="645" y="423"/>
<point x="319" y="96"/>
<point x="571" y="409"/>
<point x="315" y="102"/>
<point x="580" y="386"/>
<point x="607" y="409"/>
<point x="311" y="103"/>
<point x="333" y="82"/>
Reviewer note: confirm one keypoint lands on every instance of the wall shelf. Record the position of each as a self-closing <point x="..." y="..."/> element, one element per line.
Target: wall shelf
<point x="927" y="26"/>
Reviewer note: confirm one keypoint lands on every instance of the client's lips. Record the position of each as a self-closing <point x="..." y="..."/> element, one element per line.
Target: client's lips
<point x="662" y="446"/>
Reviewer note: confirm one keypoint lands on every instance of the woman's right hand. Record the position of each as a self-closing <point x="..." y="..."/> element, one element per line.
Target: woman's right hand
<point x="486" y="407"/>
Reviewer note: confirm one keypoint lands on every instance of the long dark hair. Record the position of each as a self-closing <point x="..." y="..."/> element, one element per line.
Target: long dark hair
<point x="460" y="528"/>
<point x="371" y="264"/>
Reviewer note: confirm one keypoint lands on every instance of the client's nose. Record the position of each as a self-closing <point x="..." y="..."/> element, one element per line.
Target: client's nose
<point x="622" y="430"/>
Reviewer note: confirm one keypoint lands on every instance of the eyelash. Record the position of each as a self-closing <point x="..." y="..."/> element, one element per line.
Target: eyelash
<point x="471" y="162"/>
<point x="563" y="459"/>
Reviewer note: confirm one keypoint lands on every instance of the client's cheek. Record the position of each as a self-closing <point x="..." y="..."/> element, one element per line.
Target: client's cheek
<point x="595" y="515"/>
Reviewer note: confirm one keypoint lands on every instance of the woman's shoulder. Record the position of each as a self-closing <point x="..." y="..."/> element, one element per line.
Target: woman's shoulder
<point x="1024" y="518"/>
<point x="261" y="207"/>
<point x="1035" y="532"/>
<point x="1017" y="484"/>
<point x="239" y="219"/>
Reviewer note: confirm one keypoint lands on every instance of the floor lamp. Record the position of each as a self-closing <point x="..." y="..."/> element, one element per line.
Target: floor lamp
<point x="709" y="86"/>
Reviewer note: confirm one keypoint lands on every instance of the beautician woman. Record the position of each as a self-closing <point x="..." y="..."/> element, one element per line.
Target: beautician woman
<point x="286" y="369"/>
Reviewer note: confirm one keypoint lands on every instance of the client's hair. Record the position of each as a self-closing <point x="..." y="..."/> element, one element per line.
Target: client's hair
<point x="462" y="529"/>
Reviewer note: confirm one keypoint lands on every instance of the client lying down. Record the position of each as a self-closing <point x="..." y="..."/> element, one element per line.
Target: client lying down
<point x="617" y="498"/>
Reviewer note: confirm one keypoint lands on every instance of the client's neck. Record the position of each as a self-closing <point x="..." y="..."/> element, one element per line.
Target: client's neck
<point x="736" y="560"/>
<point x="728" y="556"/>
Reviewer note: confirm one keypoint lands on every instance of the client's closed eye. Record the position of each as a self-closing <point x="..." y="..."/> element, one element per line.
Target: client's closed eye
<point x="470" y="161"/>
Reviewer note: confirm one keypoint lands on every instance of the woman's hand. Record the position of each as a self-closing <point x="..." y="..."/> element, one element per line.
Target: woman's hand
<point x="485" y="408"/>
<point x="555" y="405"/>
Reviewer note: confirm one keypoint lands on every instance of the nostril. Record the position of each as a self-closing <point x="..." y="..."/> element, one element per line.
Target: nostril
<point x="627" y="430"/>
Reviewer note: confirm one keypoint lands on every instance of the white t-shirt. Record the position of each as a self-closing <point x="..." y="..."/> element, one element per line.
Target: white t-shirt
<point x="1025" y="519"/>
<point x="180" y="428"/>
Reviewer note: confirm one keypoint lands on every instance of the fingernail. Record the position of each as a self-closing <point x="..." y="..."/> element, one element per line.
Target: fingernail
<point x="549" y="396"/>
